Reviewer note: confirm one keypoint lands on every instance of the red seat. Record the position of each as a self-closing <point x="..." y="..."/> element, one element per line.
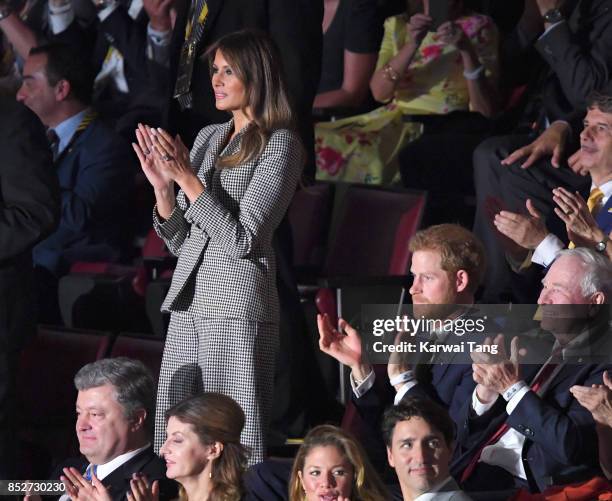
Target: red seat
<point x="46" y="395"/>
<point x="146" y="349"/>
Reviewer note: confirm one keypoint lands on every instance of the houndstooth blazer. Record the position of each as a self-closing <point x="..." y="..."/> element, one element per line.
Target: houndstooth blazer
<point x="226" y="266"/>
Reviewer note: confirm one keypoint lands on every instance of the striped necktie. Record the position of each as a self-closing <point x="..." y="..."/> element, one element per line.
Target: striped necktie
<point x="92" y="468"/>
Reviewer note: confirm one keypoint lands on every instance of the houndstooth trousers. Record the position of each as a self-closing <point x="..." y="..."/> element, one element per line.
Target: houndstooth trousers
<point x="235" y="357"/>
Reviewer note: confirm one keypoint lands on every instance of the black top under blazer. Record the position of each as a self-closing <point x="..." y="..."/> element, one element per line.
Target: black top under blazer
<point x="226" y="265"/>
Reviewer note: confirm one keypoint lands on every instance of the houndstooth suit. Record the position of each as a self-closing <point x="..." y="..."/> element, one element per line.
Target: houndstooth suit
<point x="223" y="330"/>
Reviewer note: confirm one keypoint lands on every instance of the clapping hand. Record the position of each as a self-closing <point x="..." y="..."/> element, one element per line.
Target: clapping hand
<point x="582" y="229"/>
<point x="494" y="374"/>
<point x="142" y="490"/>
<point x="80" y="489"/>
<point x="150" y="161"/>
<point x="597" y="399"/>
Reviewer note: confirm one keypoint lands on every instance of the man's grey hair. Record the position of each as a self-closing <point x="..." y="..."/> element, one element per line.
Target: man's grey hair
<point x="597" y="271"/>
<point x="133" y="383"/>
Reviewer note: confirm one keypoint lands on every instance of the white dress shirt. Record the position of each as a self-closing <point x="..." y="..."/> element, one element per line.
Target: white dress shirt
<point x="104" y="470"/>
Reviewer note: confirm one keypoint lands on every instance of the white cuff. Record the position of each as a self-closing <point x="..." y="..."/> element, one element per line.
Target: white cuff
<point x="360" y="389"/>
<point x="479" y="407"/>
<point x="107" y="11"/>
<point x="403" y="377"/>
<point x="517" y="396"/>
<point x="403" y="390"/>
<point x="60" y="18"/>
<point x="160" y="38"/>
<point x="547" y="250"/>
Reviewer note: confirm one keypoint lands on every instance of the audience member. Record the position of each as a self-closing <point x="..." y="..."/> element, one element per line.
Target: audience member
<point x="562" y="50"/>
<point x="116" y="44"/>
<point x="203" y="452"/>
<point x="29" y="211"/>
<point x="352" y="30"/>
<point x="419" y="436"/>
<point x="295" y="27"/>
<point x="448" y="263"/>
<point x="234" y="190"/>
<point x="587" y="223"/>
<point x="93" y="165"/>
<point x="433" y="74"/>
<point x="330" y="464"/>
<point x="537" y="431"/>
<point x="114" y="407"/>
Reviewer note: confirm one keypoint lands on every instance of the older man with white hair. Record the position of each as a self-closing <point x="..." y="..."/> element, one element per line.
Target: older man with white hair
<point x="522" y="426"/>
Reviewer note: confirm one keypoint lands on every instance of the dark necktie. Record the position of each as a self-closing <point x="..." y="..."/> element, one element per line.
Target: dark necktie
<point x="53" y="139"/>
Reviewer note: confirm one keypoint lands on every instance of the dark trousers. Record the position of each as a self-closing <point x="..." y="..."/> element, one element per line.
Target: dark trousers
<point x="508" y="187"/>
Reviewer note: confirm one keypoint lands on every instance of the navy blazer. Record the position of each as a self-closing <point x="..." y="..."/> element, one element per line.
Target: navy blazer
<point x="604" y="217"/>
<point x="96" y="175"/>
<point x="559" y="433"/>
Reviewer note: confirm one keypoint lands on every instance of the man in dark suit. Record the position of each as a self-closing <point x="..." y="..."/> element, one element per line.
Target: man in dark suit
<point x="29" y="211"/>
<point x="93" y="165"/>
<point x="564" y="49"/>
<point x="522" y="427"/>
<point x="114" y="424"/>
<point x="587" y="222"/>
<point x="448" y="263"/>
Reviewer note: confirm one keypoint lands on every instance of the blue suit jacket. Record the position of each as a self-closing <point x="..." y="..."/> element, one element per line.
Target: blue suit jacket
<point x="604" y="217"/>
<point x="95" y="173"/>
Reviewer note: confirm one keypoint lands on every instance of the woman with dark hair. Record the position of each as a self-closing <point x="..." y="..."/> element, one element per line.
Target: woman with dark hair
<point x="235" y="187"/>
<point x="203" y="452"/>
<point x="330" y="464"/>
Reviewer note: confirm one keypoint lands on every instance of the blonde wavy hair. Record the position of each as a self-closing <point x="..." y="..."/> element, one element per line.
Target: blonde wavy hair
<point x="367" y="485"/>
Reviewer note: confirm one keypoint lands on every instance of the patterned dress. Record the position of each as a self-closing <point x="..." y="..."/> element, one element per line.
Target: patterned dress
<point x="363" y="148"/>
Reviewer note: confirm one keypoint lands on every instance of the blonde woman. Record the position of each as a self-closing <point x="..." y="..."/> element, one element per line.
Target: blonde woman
<point x="330" y="464"/>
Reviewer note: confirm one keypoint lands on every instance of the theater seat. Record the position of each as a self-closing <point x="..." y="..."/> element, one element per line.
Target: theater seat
<point x="144" y="348"/>
<point x="46" y="394"/>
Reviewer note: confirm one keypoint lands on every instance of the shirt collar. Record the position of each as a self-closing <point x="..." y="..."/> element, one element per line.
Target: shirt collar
<point x="606" y="189"/>
<point x="431" y="494"/>
<point x="103" y="470"/>
<point x="65" y="130"/>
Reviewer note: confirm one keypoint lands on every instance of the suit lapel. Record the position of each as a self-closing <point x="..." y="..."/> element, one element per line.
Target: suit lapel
<point x="604" y="217"/>
<point x="118" y="480"/>
<point x="215" y="148"/>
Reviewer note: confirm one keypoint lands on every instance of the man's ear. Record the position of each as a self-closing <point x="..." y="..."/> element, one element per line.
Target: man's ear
<point x="462" y="280"/>
<point x="390" y="457"/>
<point x="138" y="420"/>
<point x="62" y="90"/>
<point x="598" y="298"/>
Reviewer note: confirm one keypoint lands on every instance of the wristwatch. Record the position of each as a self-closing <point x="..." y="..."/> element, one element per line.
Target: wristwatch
<point x="601" y="246"/>
<point x="553" y="16"/>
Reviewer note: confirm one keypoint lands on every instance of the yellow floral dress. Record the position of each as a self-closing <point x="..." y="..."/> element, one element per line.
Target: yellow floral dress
<point x="364" y="148"/>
